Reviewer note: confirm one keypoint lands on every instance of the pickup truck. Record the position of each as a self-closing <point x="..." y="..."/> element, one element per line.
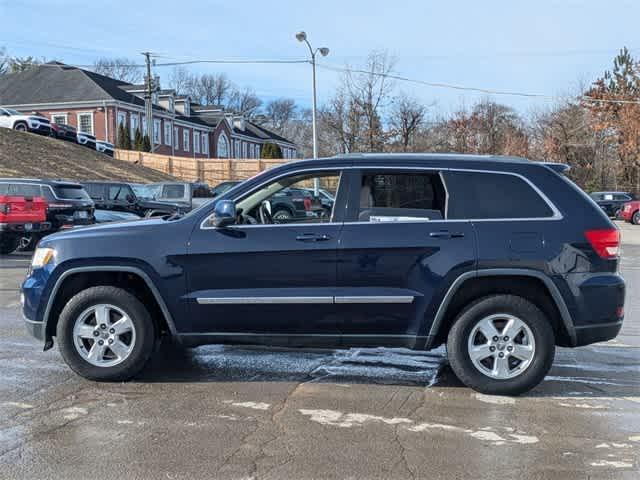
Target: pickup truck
<point x="20" y="217"/>
<point x="188" y="195"/>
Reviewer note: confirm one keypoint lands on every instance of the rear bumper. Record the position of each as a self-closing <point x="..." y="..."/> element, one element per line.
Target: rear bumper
<point x="24" y="227"/>
<point x="588" y="334"/>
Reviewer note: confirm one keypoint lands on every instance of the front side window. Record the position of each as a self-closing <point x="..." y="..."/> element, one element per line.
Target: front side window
<point x="410" y="196"/>
<point x="486" y="195"/>
<point x="291" y="200"/>
<point x="85" y="123"/>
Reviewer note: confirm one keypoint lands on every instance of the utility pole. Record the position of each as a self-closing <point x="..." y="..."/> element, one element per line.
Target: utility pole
<point x="148" y="104"/>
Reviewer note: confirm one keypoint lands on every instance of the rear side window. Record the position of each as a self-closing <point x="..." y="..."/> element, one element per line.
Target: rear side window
<point x="476" y="195"/>
<point x="386" y="196"/>
<point x="20" y="189"/>
<point x="70" y="192"/>
<point x="173" y="191"/>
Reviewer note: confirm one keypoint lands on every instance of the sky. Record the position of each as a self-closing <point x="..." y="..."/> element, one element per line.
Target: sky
<point x="548" y="47"/>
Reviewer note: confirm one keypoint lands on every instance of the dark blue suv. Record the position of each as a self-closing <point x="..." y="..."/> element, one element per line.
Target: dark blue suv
<point x="502" y="259"/>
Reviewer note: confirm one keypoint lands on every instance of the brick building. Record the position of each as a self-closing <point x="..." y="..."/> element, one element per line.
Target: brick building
<point x="97" y="104"/>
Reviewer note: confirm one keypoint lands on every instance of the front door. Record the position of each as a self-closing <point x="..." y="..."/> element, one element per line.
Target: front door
<point x="266" y="276"/>
<point x="396" y="253"/>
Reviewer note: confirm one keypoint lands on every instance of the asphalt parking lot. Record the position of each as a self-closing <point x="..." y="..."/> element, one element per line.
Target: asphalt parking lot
<point x="230" y="412"/>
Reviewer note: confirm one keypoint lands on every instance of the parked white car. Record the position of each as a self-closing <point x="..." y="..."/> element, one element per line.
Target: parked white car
<point x="105" y="147"/>
<point x="86" y="139"/>
<point x="15" y="120"/>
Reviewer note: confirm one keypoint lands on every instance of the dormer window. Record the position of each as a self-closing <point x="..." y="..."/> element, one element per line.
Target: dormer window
<point x="187" y="108"/>
<point x="171" y="106"/>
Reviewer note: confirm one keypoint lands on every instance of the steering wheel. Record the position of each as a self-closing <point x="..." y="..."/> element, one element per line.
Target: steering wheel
<point x="265" y="215"/>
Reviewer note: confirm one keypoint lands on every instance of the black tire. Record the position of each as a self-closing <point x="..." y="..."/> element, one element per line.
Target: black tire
<point x="8" y="244"/>
<point x="636" y="218"/>
<point x="281" y="215"/>
<point x="21" y="127"/>
<point x="527" y="312"/>
<point x="143" y="347"/>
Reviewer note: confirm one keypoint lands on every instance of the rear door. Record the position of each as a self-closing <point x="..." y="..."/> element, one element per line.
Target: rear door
<point x="397" y="253"/>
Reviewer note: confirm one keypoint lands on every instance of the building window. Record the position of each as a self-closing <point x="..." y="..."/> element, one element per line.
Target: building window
<point x="223" y="146"/>
<point x="59" y="118"/>
<point x="85" y="122"/>
<point x="244" y="149"/>
<point x="205" y="144"/>
<point x="176" y="138"/>
<point x="196" y="142"/>
<point x="185" y="140"/>
<point x="171" y="105"/>
<point x="167" y="133"/>
<point x="257" y="151"/>
<point x="237" y="148"/>
<point x="144" y="125"/>
<point x="135" y="122"/>
<point x="156" y="131"/>
<point x="122" y="118"/>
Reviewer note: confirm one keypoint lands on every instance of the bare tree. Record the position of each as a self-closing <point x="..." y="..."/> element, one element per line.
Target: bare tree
<point x="123" y="69"/>
<point x="181" y="80"/>
<point x="406" y="117"/>
<point x="244" y="101"/>
<point x="370" y="89"/>
<point x="4" y="61"/>
<point x="279" y="113"/>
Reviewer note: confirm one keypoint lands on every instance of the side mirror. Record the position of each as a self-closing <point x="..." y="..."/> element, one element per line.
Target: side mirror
<point x="224" y="214"/>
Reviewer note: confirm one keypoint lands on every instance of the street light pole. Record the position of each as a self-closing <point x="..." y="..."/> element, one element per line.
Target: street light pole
<point x="302" y="37"/>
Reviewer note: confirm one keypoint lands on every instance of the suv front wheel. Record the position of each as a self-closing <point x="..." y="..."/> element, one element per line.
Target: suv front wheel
<point x="105" y="333"/>
<point x="501" y="345"/>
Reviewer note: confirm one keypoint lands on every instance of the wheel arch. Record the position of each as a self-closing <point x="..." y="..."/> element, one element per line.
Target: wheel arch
<point x="506" y="281"/>
<point x="73" y="280"/>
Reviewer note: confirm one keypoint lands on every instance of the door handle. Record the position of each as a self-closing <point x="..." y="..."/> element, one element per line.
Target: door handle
<point x="312" y="237"/>
<point x="445" y="234"/>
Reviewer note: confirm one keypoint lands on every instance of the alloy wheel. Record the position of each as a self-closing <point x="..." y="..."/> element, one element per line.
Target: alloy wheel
<point x="104" y="335"/>
<point x="501" y="346"/>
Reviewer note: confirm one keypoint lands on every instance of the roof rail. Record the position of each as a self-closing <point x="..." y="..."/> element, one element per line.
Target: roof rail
<point x="556" y="167"/>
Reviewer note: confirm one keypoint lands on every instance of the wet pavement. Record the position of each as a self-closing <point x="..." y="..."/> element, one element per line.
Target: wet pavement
<point x="249" y="413"/>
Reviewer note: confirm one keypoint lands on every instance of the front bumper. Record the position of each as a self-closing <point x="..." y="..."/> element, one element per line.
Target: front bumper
<point x="35" y="329"/>
<point x="40" y="128"/>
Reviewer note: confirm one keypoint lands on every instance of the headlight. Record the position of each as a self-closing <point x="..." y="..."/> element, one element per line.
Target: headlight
<point x="33" y="123"/>
<point x="42" y="256"/>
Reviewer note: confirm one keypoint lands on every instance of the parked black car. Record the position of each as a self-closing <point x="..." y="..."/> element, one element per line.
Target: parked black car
<point x="501" y="259"/>
<point x="63" y="131"/>
<point x="188" y="195"/>
<point x="612" y="202"/>
<point x="68" y="203"/>
<point x="121" y="196"/>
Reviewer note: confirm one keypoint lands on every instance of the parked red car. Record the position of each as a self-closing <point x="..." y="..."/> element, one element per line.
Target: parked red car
<point x="630" y="212"/>
<point x="20" y="216"/>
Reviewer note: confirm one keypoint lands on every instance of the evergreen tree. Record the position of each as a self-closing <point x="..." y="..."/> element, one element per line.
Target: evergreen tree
<point x="120" y="138"/>
<point x="138" y="141"/>
<point x="146" y="144"/>
<point x="271" y="150"/>
<point x="127" y="138"/>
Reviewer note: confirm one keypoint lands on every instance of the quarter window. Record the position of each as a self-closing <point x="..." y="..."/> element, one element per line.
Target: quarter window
<point x="475" y="195"/>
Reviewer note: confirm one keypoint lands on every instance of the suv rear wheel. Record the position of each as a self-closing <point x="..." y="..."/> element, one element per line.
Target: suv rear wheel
<point x="501" y="345"/>
<point x="636" y="218"/>
<point x="105" y="333"/>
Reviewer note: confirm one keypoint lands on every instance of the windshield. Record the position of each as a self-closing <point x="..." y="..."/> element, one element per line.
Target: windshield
<point x="146" y="192"/>
<point x="71" y="192"/>
<point x="12" y="112"/>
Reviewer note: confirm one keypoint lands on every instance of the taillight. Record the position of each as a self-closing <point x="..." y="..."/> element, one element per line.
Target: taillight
<point x="5" y="208"/>
<point x="606" y="243"/>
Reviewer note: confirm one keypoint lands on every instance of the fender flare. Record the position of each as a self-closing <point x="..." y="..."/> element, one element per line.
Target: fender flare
<point x="565" y="316"/>
<point x="108" y="268"/>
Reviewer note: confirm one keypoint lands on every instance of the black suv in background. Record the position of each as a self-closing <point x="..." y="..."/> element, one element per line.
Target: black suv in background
<point x="68" y="203"/>
<point x="612" y="202"/>
<point x="63" y="131"/>
<point x="121" y="196"/>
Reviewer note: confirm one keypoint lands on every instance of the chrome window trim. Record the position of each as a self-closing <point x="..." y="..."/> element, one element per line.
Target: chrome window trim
<point x="557" y="215"/>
